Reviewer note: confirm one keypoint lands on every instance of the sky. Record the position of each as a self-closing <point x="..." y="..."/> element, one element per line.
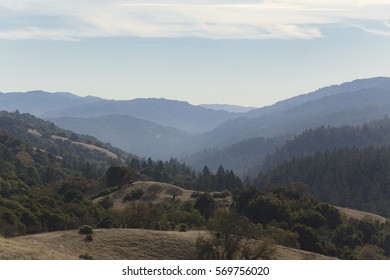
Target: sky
<point x="249" y="53"/>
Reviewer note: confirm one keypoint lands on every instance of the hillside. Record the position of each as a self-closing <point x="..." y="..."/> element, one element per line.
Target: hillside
<point x="240" y="157"/>
<point x="166" y="128"/>
<point x="349" y="177"/>
<point x="353" y="103"/>
<point x="361" y="215"/>
<point x="117" y="244"/>
<point x="70" y="146"/>
<point x="228" y="108"/>
<point x="356" y="85"/>
<point x="322" y="139"/>
<point x="38" y="102"/>
<point x="160" y="196"/>
<point x="140" y="137"/>
<point x="178" y="114"/>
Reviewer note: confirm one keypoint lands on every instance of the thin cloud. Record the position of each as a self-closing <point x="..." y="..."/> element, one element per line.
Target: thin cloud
<point x="376" y="31"/>
<point x="269" y="19"/>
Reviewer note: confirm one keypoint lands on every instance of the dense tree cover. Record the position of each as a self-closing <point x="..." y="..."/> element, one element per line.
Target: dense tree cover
<point x="355" y="178"/>
<point x="293" y="219"/>
<point x="172" y="172"/>
<point x="322" y="139"/>
<point x="43" y="189"/>
<point x="239" y="157"/>
<point x="42" y="192"/>
<point x="34" y="203"/>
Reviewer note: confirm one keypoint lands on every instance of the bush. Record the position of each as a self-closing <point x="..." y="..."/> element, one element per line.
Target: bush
<point x="182" y="227"/>
<point x="205" y="204"/>
<point x="86" y="229"/>
<point x="108" y="222"/>
<point x="86" y="257"/>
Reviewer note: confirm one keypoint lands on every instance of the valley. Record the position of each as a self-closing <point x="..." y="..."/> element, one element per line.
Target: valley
<point x="305" y="178"/>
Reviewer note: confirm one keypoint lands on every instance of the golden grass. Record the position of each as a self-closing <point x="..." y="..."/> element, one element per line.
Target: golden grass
<point x="118" y="244"/>
<point x="87" y="146"/>
<point x="360" y="215"/>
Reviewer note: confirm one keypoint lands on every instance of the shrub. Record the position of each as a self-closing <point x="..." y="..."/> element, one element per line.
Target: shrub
<point x="223" y="194"/>
<point x="86" y="257"/>
<point x="86" y="229"/>
<point x="183" y="227"/>
<point x="205" y="204"/>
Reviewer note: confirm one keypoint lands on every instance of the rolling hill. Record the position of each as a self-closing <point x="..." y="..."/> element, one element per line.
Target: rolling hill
<point x="38" y="102"/>
<point x="162" y="128"/>
<point x="141" y="137"/>
<point x="118" y="244"/>
<point x="365" y="101"/>
<point x="66" y="144"/>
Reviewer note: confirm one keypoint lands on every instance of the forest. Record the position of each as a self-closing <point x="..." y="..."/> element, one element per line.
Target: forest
<point x="51" y="184"/>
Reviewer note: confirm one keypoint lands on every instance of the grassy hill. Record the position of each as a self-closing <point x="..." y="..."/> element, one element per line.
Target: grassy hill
<point x="360" y="215"/>
<point x="118" y="197"/>
<point x="117" y="244"/>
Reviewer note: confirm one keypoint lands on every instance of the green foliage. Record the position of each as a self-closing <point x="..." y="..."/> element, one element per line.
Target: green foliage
<point x="308" y="238"/>
<point x="86" y="229"/>
<point x="158" y="216"/>
<point x="291" y="218"/>
<point x="323" y="139"/>
<point x="182" y="227"/>
<point x="205" y="204"/>
<point x="232" y="238"/>
<point x="266" y="208"/>
<point x="223" y="194"/>
<point x="355" y="178"/>
<point x="115" y="176"/>
<point x="282" y="236"/>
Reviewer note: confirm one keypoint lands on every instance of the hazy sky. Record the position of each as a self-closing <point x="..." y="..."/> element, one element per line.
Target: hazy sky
<point x="237" y="52"/>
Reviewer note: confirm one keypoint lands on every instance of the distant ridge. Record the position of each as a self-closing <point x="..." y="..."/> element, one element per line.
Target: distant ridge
<point x="228" y="108"/>
<point x="195" y="128"/>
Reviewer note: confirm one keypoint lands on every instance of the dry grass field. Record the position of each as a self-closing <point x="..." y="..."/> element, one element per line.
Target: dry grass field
<point x="360" y="215"/>
<point x="118" y="244"/>
<point x="162" y="196"/>
<point x="86" y="146"/>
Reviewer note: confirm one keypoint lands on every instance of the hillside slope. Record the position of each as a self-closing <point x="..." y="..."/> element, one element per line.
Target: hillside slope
<point x="141" y="137"/>
<point x="38" y="102"/>
<point x="118" y="244"/>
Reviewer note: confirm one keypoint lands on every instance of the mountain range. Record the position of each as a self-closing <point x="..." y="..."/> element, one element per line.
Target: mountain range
<point x="161" y="128"/>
